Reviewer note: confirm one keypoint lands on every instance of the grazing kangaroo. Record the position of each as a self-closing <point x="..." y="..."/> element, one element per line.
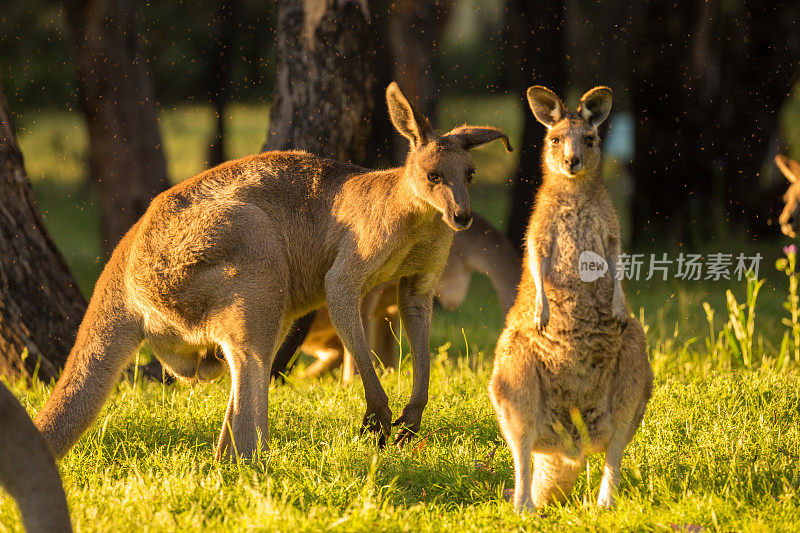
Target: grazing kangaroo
<point x="481" y="248"/>
<point x="790" y="217"/>
<point x="28" y="472"/>
<point x="234" y="255"/>
<point x="571" y="373"/>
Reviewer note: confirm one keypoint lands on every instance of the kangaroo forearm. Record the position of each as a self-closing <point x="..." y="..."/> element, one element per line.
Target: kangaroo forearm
<point x="71" y="409"/>
<point x="415" y="312"/>
<point x="418" y="333"/>
<point x="619" y="302"/>
<point x="538" y="267"/>
<point x="344" y="309"/>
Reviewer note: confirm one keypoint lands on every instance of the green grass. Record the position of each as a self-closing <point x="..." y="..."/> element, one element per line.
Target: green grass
<point x="718" y="450"/>
<point x="718" y="447"/>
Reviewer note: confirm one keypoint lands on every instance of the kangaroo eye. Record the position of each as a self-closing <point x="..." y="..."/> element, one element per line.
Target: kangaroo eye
<point x="554" y="141"/>
<point x="589" y="140"/>
<point x="470" y="174"/>
<point x="434" y="177"/>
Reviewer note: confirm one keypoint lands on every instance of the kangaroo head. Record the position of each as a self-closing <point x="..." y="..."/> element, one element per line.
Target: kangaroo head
<point x="572" y="146"/>
<point x="438" y="166"/>
<point x="790" y="217"/>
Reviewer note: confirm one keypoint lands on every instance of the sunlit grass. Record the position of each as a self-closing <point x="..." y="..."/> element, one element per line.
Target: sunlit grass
<point x="718" y="450"/>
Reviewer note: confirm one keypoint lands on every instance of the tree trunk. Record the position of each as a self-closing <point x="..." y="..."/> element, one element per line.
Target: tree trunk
<point x="414" y="28"/>
<point x="757" y="70"/>
<point x="325" y="94"/>
<point x="673" y="174"/>
<point x="325" y="74"/>
<point x="116" y="98"/>
<point x="708" y="85"/>
<point x="537" y="56"/>
<point x="40" y="304"/>
<point x="218" y="68"/>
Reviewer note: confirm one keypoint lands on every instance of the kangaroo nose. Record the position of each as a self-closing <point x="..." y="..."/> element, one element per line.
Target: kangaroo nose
<point x="574" y="163"/>
<point x="463" y="218"/>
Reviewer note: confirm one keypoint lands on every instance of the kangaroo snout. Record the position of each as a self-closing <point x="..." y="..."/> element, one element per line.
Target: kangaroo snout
<point x="463" y="218"/>
<point x="574" y="164"/>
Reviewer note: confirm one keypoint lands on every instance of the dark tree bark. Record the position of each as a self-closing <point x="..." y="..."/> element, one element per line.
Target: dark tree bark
<point x="709" y="82"/>
<point x="218" y="68"/>
<point x="116" y="98"/>
<point x="325" y="75"/>
<point x="760" y="64"/>
<point x="536" y="50"/>
<point x="381" y="145"/>
<point x="672" y="165"/>
<point x="414" y="28"/>
<point x="325" y="95"/>
<point x="40" y="304"/>
<point x="599" y="50"/>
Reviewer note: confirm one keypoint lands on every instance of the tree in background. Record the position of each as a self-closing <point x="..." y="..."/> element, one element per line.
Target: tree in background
<point x="218" y="67"/>
<point x="708" y="81"/>
<point x="324" y="95"/>
<point x="414" y="28"/>
<point x="536" y="55"/>
<point x="116" y="98"/>
<point x="40" y="304"/>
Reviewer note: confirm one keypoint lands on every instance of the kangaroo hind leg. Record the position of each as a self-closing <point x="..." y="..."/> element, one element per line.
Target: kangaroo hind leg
<point x="249" y="353"/>
<point x="632" y="388"/>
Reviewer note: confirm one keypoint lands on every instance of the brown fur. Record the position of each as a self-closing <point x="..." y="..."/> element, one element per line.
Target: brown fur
<point x="481" y="248"/>
<point x="790" y="216"/>
<point x="28" y="472"/>
<point x="565" y="350"/>
<point x="232" y="256"/>
<point x="378" y="310"/>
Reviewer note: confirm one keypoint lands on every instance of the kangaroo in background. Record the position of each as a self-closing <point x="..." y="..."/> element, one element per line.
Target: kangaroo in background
<point x="481" y="248"/>
<point x="571" y="373"/>
<point x="234" y="255"/>
<point x="790" y="216"/>
<point x="28" y="472"/>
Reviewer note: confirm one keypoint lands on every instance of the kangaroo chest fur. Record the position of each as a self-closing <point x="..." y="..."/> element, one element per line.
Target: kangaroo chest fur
<point x="422" y="250"/>
<point x="577" y="354"/>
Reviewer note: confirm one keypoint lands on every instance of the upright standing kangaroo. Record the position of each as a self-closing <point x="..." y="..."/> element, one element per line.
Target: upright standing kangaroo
<point x="570" y="357"/>
<point x="28" y="472"/>
<point x="232" y="256"/>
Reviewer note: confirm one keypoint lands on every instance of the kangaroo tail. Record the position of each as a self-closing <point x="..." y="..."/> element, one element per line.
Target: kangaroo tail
<point x="108" y="336"/>
<point x="28" y="472"/>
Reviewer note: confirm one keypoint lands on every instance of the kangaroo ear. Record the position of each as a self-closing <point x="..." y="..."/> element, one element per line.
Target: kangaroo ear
<point x="789" y="167"/>
<point x="408" y="121"/>
<point x="471" y="136"/>
<point x="546" y="106"/>
<point x="595" y="105"/>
